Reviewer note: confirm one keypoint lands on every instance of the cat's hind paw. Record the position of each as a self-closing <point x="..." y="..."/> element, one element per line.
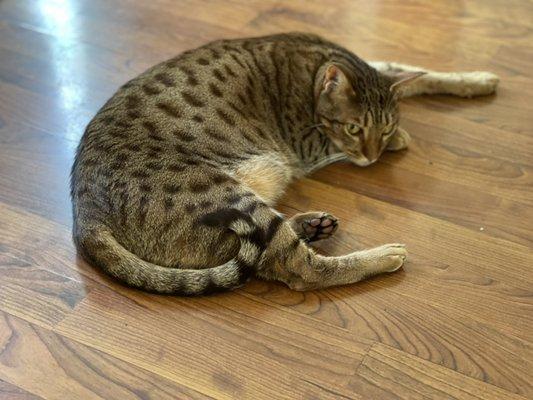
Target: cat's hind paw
<point x="314" y="226"/>
<point x="386" y="258"/>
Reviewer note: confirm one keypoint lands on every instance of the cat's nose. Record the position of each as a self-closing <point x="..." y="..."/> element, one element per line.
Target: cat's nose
<point x="370" y="152"/>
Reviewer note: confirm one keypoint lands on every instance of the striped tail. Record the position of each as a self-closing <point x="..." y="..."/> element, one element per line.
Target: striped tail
<point x="98" y="244"/>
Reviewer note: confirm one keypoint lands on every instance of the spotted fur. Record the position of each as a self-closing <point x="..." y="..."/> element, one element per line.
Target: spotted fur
<point x="175" y="177"/>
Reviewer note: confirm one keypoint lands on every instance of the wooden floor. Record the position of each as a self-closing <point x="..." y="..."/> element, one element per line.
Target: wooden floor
<point x="455" y="323"/>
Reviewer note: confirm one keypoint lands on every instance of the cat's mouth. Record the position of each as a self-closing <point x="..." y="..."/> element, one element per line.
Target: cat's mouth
<point x="360" y="160"/>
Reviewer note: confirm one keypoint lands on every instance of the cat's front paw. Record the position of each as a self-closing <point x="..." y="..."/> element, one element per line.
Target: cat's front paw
<point x="399" y="140"/>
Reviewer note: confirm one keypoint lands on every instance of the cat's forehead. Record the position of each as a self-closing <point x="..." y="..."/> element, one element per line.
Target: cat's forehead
<point x="377" y="105"/>
<point x="372" y="117"/>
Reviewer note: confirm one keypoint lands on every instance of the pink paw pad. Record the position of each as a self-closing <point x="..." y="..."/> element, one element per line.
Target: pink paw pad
<point x="320" y="228"/>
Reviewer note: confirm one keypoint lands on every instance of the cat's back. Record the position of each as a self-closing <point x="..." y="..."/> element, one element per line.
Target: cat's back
<point x="201" y="94"/>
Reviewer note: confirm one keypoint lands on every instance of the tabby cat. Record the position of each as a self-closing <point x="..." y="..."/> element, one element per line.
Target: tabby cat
<point x="175" y="177"/>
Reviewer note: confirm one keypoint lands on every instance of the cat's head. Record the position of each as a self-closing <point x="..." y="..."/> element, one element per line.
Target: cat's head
<point x="359" y="115"/>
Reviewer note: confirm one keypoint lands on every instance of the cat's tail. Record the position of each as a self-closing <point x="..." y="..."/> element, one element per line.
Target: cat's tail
<point x="98" y="245"/>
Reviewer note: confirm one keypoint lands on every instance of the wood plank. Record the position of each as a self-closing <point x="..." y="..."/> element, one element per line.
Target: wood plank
<point x="371" y="311"/>
<point x="48" y="365"/>
<point x="464" y="205"/>
<point x="508" y="111"/>
<point x="31" y="63"/>
<point x="21" y="107"/>
<point x="450" y="128"/>
<point x="155" y="39"/>
<point x="38" y="73"/>
<point x="42" y="297"/>
<point x="12" y="392"/>
<point x="409" y="377"/>
<point x="35" y="171"/>
<point x="210" y="354"/>
<point x="487" y="173"/>
<point x="265" y="17"/>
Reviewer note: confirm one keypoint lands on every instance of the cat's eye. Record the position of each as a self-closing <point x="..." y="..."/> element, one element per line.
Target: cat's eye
<point x="352" y="129"/>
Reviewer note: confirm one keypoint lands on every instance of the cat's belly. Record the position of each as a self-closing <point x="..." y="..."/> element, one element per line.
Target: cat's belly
<point x="267" y="175"/>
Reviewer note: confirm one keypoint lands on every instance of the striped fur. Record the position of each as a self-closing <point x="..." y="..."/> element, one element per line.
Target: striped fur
<point x="99" y="245"/>
<point x="175" y="178"/>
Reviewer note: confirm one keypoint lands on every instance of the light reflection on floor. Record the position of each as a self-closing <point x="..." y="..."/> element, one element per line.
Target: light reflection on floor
<point x="69" y="62"/>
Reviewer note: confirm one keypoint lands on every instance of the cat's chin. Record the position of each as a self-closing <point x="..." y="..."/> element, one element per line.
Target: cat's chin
<point x="362" y="162"/>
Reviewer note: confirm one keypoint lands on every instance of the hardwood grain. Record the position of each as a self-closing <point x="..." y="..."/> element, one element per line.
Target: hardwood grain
<point x="54" y="367"/>
<point x="12" y="392"/>
<point x="228" y="360"/>
<point x="431" y="333"/>
<point x="411" y="378"/>
<point x="42" y="161"/>
<point x="455" y="323"/>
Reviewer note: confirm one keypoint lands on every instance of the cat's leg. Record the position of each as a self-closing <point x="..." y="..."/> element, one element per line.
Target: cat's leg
<point x="289" y="259"/>
<point x="306" y="270"/>
<point x="312" y="226"/>
<point x="399" y="140"/>
<point x="301" y="269"/>
<point x="463" y="84"/>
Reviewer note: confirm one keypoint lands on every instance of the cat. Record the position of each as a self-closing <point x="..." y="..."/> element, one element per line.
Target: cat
<point x="175" y="178"/>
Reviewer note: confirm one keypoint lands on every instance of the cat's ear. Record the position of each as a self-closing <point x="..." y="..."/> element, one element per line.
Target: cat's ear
<point x="403" y="79"/>
<point x="334" y="93"/>
<point x="335" y="80"/>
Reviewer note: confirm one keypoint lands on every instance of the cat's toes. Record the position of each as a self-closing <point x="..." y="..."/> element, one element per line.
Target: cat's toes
<point x="481" y="83"/>
<point x="399" y="140"/>
<point x="391" y="256"/>
<point x="319" y="226"/>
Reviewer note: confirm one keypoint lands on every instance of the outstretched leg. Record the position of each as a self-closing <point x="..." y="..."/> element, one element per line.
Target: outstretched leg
<point x="312" y="226"/>
<point x="306" y="270"/>
<point x="463" y="84"/>
<point x="289" y="259"/>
